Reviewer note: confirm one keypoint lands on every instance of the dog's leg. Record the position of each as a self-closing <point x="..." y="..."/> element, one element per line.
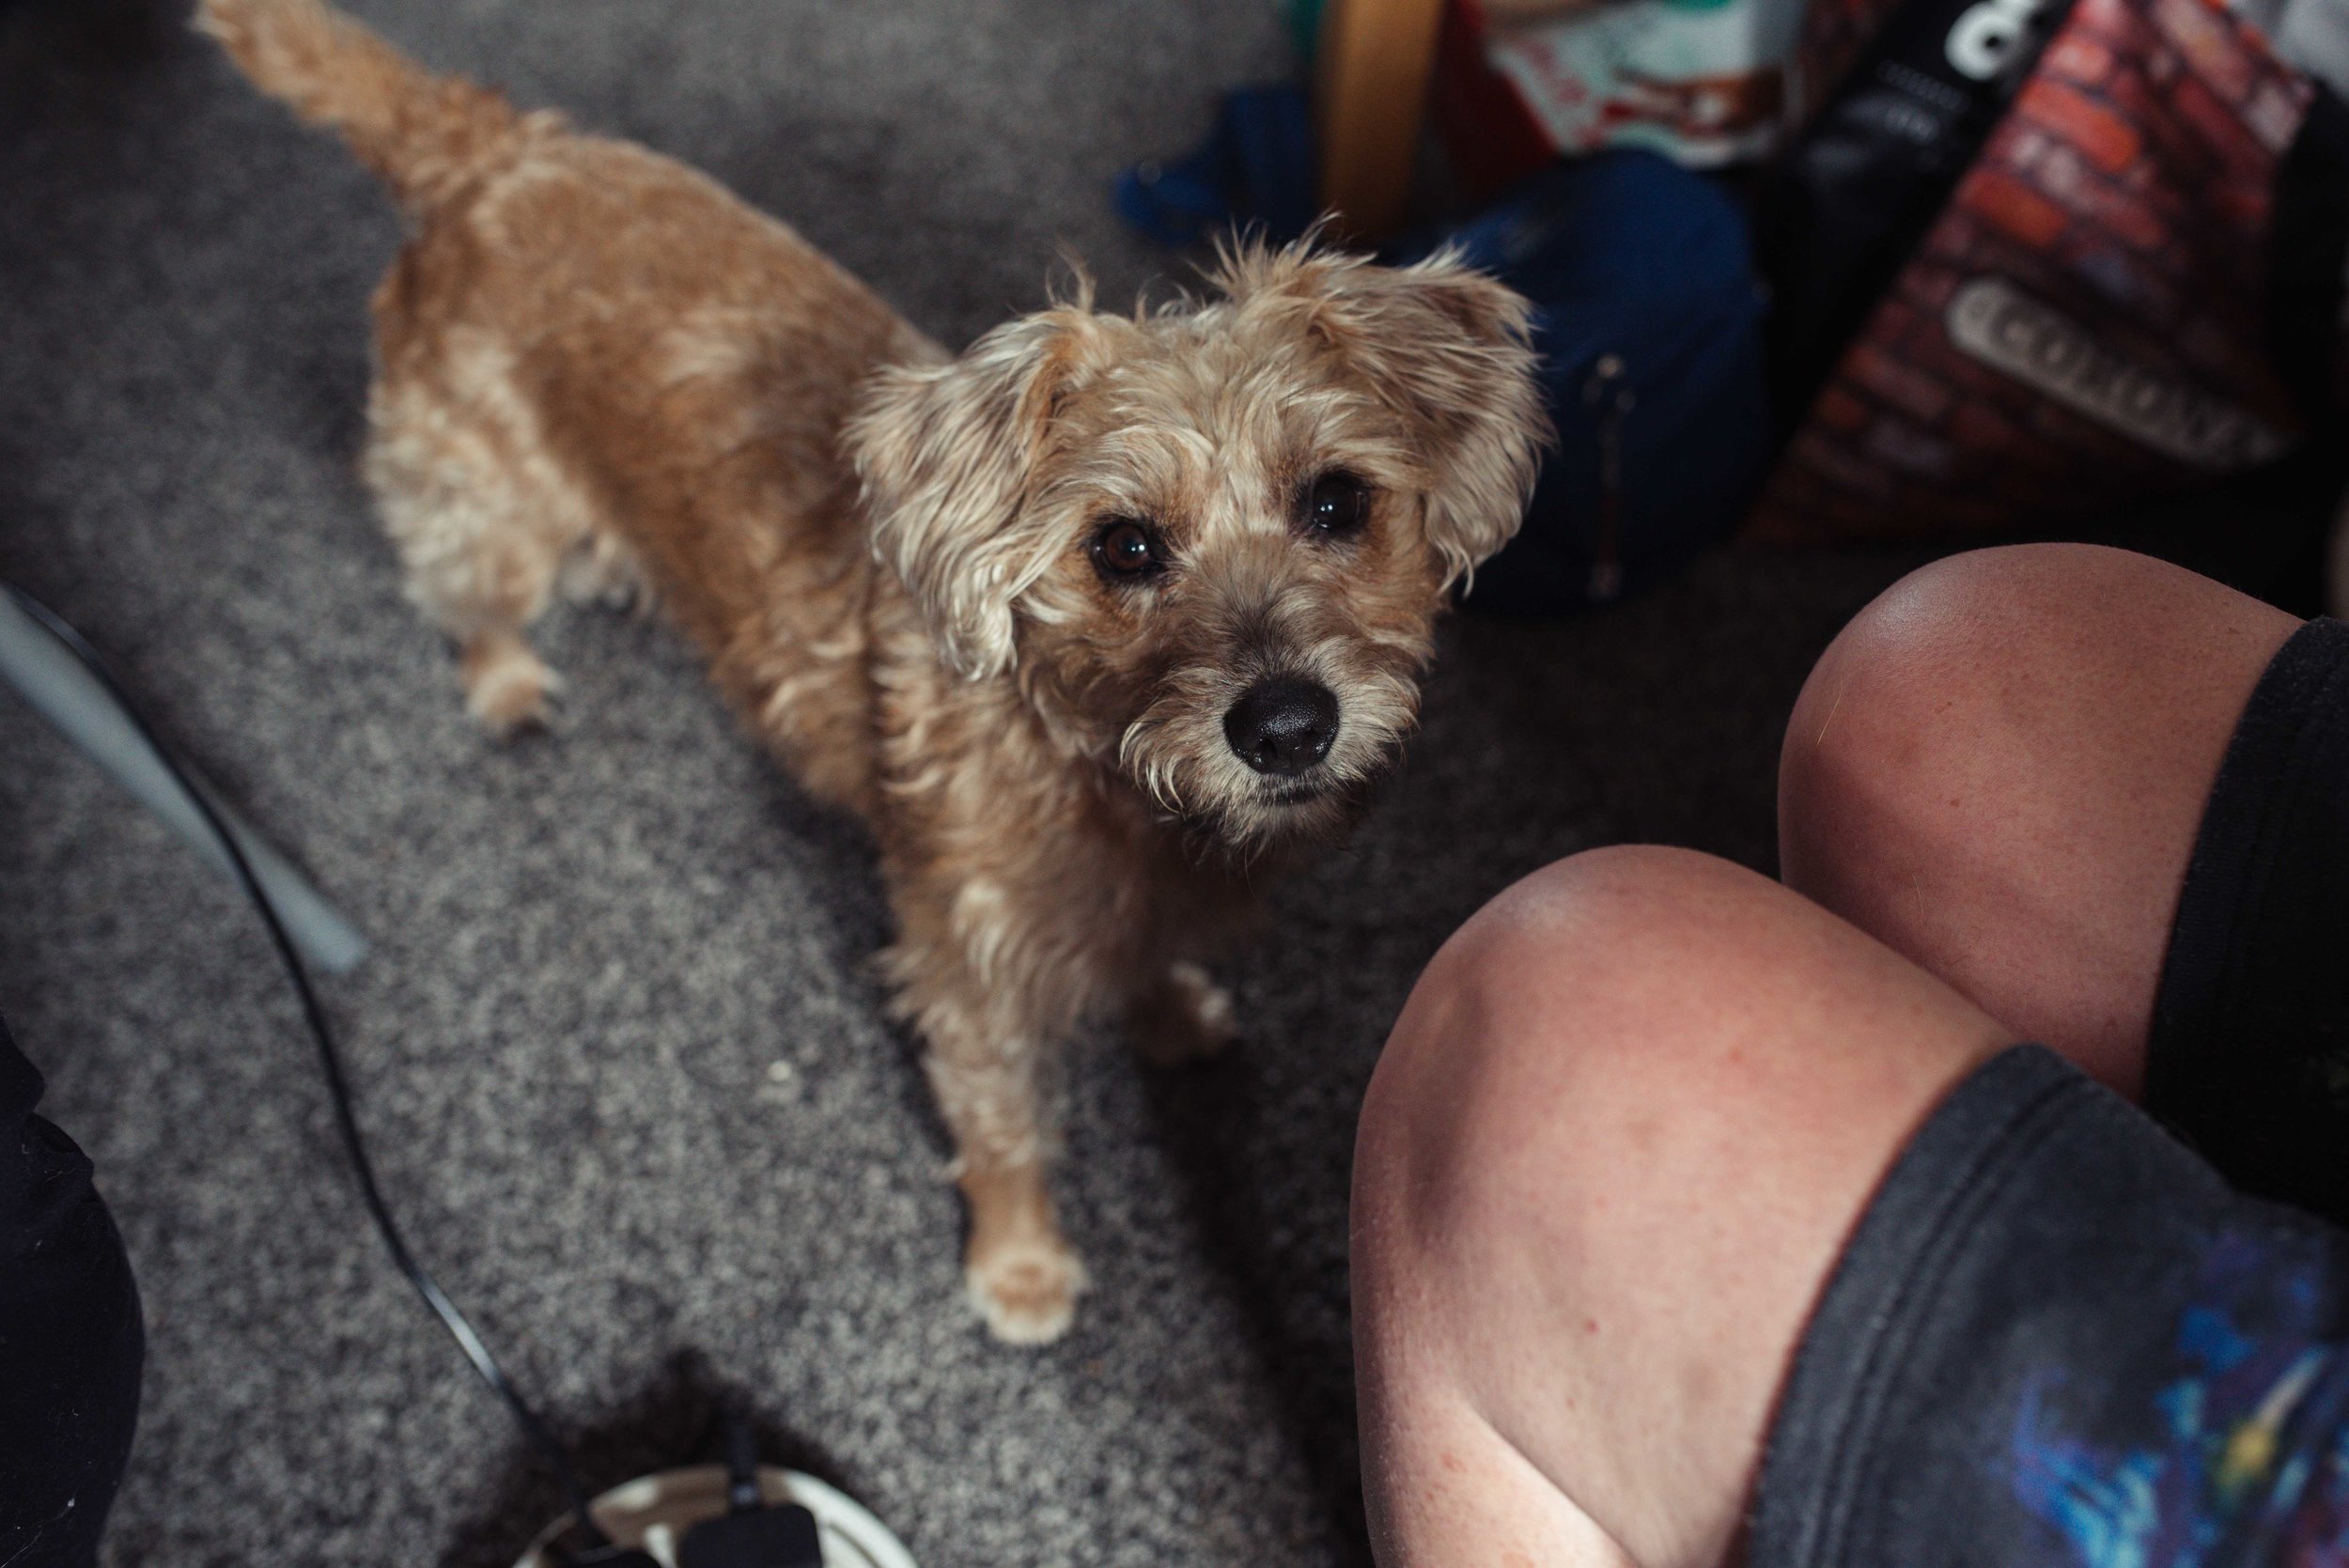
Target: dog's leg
<point x="1185" y="1018"/>
<point x="1022" y="1274"/>
<point x="995" y="973"/>
<point x="603" y="573"/>
<point x="483" y="517"/>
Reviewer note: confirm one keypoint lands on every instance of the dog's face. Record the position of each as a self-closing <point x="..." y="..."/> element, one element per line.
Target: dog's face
<point x="1210" y="543"/>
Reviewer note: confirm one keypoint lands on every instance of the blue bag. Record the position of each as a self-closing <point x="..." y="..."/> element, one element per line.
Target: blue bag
<point x="1255" y="170"/>
<point x="1648" y="319"/>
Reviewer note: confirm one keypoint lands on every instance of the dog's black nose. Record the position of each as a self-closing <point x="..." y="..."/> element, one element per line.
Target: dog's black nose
<point x="1282" y="727"/>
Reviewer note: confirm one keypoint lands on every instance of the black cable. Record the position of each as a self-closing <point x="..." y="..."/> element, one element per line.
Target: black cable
<point x="742" y="1493"/>
<point x="329" y="1059"/>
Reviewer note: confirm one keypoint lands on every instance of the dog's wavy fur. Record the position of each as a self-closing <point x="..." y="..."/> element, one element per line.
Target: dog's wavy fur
<point x="598" y="371"/>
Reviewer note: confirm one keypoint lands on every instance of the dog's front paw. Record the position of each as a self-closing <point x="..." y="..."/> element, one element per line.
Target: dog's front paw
<point x="1188" y="1017"/>
<point x="1026" y="1289"/>
<point x="508" y="688"/>
<point x="603" y="575"/>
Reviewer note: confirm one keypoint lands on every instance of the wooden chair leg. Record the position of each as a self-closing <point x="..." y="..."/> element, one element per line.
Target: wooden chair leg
<point x="1376" y="57"/>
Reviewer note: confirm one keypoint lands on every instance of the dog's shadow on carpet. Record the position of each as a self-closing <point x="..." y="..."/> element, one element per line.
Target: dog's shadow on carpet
<point x="1288" y="1275"/>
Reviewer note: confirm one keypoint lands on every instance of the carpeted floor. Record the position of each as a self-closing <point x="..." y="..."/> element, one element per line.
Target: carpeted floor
<point x="592" y="947"/>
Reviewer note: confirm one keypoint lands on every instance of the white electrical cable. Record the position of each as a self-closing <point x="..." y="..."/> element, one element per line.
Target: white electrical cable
<point x="71" y="698"/>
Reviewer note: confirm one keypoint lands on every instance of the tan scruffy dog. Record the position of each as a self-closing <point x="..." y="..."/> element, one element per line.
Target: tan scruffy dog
<point x="1086" y="624"/>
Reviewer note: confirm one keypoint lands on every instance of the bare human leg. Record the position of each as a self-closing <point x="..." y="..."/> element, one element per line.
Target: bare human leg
<point x="1633" y="1108"/>
<point x="1614" y="1146"/>
<point x="1999" y="767"/>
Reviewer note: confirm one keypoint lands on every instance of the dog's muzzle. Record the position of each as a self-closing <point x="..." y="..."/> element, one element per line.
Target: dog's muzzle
<point x="1282" y="727"/>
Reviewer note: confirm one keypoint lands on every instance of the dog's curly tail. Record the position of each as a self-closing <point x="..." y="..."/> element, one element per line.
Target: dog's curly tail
<point x="425" y="134"/>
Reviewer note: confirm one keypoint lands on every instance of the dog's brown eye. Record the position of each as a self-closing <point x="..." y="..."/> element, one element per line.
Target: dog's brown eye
<point x="1336" y="505"/>
<point x="1126" y="551"/>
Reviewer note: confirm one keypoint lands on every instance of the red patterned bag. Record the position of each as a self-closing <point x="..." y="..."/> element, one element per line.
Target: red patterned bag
<point x="2109" y="305"/>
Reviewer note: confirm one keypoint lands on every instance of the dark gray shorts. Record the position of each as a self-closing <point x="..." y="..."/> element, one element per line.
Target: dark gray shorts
<point x="2064" y="1332"/>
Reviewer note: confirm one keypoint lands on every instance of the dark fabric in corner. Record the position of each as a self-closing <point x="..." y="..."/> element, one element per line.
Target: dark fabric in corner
<point x="71" y="1338"/>
<point x="2246" y="1059"/>
<point x="2058" y="1338"/>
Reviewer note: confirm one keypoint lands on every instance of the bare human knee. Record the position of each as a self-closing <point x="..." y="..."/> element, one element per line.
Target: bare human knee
<point x="1999" y="767"/>
<point x="1485" y="996"/>
<point x="1614" y="1143"/>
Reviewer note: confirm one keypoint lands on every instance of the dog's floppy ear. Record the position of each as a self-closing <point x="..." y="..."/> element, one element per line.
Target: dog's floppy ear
<point x="947" y="454"/>
<point x="1445" y="346"/>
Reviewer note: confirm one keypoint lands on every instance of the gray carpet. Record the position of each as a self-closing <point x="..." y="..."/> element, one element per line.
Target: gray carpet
<point x="593" y="945"/>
